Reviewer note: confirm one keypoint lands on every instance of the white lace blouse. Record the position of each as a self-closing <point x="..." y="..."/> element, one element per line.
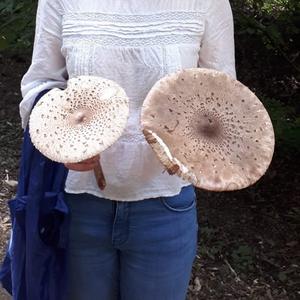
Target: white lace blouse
<point x="135" y="43"/>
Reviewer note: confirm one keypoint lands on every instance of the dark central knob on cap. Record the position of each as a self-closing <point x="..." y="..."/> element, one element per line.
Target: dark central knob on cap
<point x="208" y="126"/>
<point x="80" y="116"/>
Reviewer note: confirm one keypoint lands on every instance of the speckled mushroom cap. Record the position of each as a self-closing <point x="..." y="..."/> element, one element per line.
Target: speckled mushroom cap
<point x="209" y="129"/>
<point x="81" y="121"/>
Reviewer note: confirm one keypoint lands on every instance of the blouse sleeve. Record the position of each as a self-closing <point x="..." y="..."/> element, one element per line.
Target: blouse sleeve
<point x="48" y="67"/>
<point x="217" y="46"/>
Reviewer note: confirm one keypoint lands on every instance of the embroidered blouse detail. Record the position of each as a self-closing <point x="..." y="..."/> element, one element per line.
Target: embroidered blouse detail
<point x="134" y="44"/>
<point x="134" y="30"/>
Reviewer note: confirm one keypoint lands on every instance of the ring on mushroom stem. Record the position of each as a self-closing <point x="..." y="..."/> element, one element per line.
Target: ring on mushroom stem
<point x="80" y="122"/>
<point x="209" y="129"/>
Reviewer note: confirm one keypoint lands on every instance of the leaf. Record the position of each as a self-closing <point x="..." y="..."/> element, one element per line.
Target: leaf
<point x="11" y="183"/>
<point x="282" y="276"/>
<point x="3" y="43"/>
<point x="251" y="30"/>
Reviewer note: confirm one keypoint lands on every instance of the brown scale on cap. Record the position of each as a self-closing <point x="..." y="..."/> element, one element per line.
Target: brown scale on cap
<point x="81" y="121"/>
<point x="209" y="128"/>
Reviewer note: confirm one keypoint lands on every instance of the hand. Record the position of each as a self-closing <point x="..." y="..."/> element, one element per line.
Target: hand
<point x="85" y="165"/>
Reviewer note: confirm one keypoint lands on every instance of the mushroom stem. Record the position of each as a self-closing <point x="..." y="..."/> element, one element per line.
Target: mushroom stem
<point x="99" y="176"/>
<point x="173" y="169"/>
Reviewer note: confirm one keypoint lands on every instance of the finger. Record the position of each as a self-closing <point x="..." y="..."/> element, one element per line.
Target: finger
<point x="91" y="160"/>
<point x="81" y="166"/>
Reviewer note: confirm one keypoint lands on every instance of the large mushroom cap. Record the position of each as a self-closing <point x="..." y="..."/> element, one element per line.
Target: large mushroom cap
<point x="209" y="129"/>
<point x="81" y="121"/>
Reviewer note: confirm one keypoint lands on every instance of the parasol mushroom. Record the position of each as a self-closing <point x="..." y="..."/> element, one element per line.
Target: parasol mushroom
<point x="209" y="129"/>
<point x="77" y="123"/>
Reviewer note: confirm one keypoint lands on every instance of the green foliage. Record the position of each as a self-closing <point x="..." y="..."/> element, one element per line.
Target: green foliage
<point x="286" y="123"/>
<point x="17" y="19"/>
<point x="275" y="24"/>
<point x="243" y="258"/>
<point x="241" y="255"/>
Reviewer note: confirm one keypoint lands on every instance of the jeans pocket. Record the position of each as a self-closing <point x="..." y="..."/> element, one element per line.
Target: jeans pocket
<point x="184" y="201"/>
<point x="51" y="221"/>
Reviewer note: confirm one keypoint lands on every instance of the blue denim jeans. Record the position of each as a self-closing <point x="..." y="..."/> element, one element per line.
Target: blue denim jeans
<point x="141" y="250"/>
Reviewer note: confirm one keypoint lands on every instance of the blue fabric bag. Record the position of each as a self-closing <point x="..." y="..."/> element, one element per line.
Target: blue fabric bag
<point x="35" y="264"/>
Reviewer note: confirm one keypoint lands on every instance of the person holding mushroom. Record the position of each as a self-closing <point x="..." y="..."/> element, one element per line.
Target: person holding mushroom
<point x="137" y="237"/>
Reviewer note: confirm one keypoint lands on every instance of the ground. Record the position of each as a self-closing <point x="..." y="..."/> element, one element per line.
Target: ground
<point x="248" y="241"/>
